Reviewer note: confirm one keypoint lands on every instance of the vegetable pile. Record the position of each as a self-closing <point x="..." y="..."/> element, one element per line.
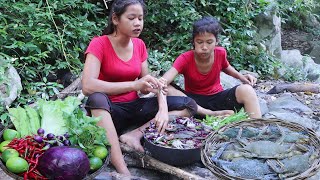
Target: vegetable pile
<point x="53" y="140"/>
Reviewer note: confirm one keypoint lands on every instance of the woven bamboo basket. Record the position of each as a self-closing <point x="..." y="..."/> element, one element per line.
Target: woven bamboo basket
<point x="213" y="139"/>
<point x="90" y="176"/>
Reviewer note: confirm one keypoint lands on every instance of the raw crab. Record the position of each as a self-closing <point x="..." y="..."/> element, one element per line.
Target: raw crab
<point x="245" y="168"/>
<point x="247" y="132"/>
<point x="266" y="149"/>
<point x="295" y="164"/>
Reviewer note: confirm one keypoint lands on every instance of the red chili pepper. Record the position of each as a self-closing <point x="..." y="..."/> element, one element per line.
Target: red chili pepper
<point x="31" y="151"/>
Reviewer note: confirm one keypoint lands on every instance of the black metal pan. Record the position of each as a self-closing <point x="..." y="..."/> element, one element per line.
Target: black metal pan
<point x="172" y="156"/>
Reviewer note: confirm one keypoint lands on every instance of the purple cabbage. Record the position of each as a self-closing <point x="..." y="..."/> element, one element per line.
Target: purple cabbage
<point x="64" y="163"/>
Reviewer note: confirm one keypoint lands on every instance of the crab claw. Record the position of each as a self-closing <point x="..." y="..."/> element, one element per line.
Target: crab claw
<point x="177" y="144"/>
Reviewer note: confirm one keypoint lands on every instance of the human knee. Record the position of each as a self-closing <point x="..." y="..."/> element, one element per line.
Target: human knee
<point x="245" y="93"/>
<point x="246" y="90"/>
<point x="191" y="106"/>
<point x="98" y="101"/>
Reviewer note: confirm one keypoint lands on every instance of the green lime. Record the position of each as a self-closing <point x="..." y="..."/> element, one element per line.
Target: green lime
<point x="10" y="134"/>
<point x="95" y="163"/>
<point x="3" y="145"/>
<point x="9" y="153"/>
<point x="100" y="152"/>
<point x="17" y="165"/>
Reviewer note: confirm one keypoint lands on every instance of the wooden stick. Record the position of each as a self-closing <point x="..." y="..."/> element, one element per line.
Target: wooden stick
<point x="295" y="87"/>
<point x="70" y="89"/>
<point x="151" y="163"/>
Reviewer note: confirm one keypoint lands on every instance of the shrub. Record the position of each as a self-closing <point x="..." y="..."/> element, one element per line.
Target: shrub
<point x="46" y="36"/>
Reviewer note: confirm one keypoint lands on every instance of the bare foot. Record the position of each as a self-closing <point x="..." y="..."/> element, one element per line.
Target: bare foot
<point x="132" y="139"/>
<point x="124" y="171"/>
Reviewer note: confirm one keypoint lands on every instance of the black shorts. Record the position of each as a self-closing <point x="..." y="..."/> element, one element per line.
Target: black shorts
<point x="224" y="100"/>
<point x="137" y="112"/>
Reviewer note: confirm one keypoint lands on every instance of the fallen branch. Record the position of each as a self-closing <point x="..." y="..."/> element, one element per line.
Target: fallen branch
<point x="151" y="163"/>
<point x="71" y="89"/>
<point x="295" y="87"/>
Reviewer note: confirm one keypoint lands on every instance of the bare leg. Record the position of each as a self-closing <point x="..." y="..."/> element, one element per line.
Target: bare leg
<point x="246" y="95"/>
<point x="201" y="111"/>
<point x="116" y="155"/>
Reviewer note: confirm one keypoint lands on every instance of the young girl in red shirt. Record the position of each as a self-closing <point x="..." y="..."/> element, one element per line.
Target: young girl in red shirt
<point x="201" y="69"/>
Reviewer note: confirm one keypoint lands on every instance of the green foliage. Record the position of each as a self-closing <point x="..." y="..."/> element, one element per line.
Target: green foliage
<point x="170" y="28"/>
<point x="46" y="36"/>
<point x="167" y="28"/>
<point x="237" y="18"/>
<point x="156" y="62"/>
<point x="4" y="65"/>
<point x="295" y="12"/>
<point x="217" y="122"/>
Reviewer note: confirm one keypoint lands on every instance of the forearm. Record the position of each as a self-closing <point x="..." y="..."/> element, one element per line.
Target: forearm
<point x="110" y="88"/>
<point x="162" y="101"/>
<point x="233" y="72"/>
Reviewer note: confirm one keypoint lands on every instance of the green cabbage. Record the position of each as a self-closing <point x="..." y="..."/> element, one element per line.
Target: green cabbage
<point x="54" y="114"/>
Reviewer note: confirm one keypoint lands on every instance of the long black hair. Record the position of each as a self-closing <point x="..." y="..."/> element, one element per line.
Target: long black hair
<point x="118" y="8"/>
<point x="206" y="24"/>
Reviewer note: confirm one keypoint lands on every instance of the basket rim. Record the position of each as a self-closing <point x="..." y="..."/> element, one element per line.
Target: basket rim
<point x="89" y="176"/>
<point x="314" y="167"/>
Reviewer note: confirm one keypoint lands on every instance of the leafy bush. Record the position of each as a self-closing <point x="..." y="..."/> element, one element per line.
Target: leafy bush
<point x="295" y="12"/>
<point x="169" y="29"/>
<point x="4" y="65"/>
<point x="46" y="36"/>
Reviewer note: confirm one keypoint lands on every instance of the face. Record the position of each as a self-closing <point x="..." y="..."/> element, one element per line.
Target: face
<point x="204" y="45"/>
<point x="131" y="21"/>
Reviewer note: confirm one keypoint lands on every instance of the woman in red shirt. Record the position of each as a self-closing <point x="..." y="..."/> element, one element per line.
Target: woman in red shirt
<point x="201" y="69"/>
<point x="115" y="70"/>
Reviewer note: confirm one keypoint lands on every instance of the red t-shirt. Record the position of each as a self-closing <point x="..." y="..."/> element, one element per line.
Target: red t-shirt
<point x="113" y="69"/>
<point x="196" y="82"/>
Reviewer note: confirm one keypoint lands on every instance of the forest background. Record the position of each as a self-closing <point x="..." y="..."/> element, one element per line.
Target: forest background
<point x="45" y="40"/>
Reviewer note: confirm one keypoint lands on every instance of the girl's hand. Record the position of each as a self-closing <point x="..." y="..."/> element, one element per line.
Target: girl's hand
<point x="249" y="79"/>
<point x="161" y="120"/>
<point x="146" y="84"/>
<point x="164" y="86"/>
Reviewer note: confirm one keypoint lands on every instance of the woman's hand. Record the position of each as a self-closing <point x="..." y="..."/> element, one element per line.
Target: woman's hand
<point x="249" y="79"/>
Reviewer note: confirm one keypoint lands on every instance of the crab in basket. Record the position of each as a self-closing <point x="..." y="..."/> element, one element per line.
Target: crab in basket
<point x="181" y="133"/>
<point x="263" y="151"/>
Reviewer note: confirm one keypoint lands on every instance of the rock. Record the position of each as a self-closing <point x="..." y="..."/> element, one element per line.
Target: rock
<point x="287" y="101"/>
<point x="11" y="87"/>
<point x="315" y="52"/>
<point x="228" y="81"/>
<point x="268" y="24"/>
<point x="294" y="59"/>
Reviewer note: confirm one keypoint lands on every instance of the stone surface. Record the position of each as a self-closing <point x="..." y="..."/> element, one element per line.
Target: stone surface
<point x="11" y="88"/>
